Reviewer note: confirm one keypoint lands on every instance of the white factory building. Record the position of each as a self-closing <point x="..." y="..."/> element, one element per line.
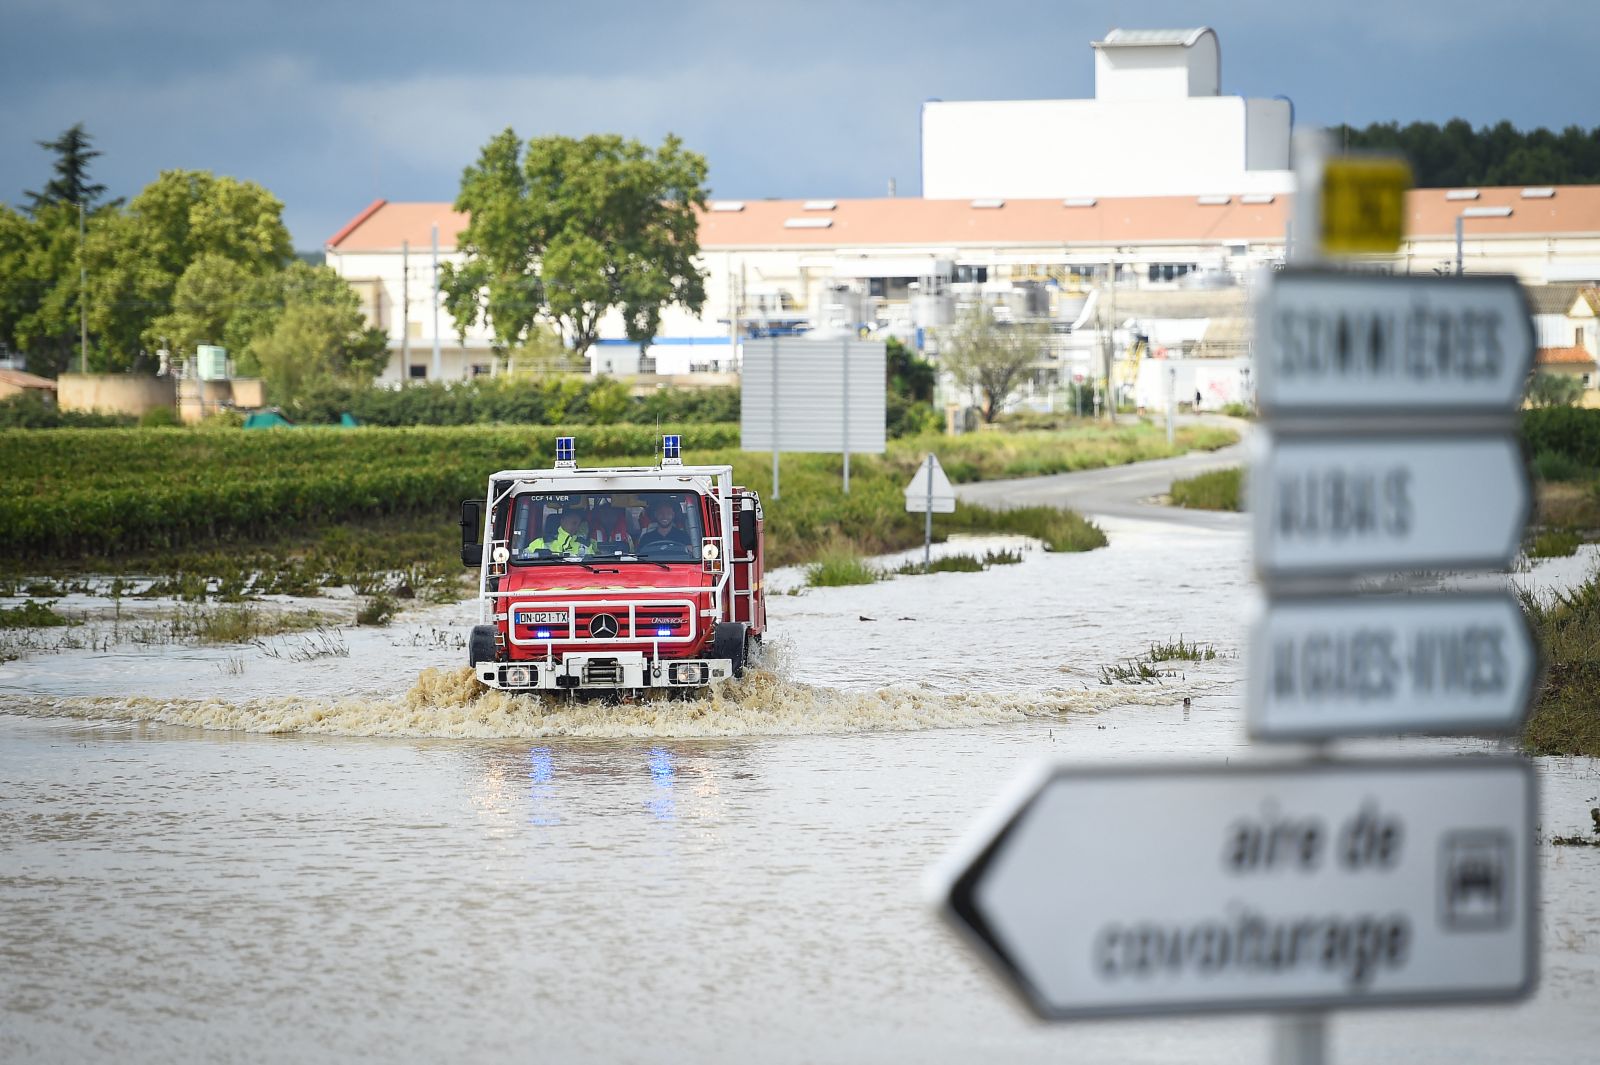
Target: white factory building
<point x="1067" y="227"/>
<point x="1158" y="126"/>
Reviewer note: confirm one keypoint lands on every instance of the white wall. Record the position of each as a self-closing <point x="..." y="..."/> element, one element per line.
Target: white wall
<point x="1043" y="149"/>
<point x="1144" y="72"/>
<point x="1266" y="137"/>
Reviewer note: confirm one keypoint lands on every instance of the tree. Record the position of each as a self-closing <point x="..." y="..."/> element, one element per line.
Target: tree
<point x="39" y="285"/>
<point x="1547" y="389"/>
<point x="909" y="375"/>
<point x="991" y="357"/>
<point x="208" y="295"/>
<point x="1455" y="154"/>
<point x="568" y="230"/>
<point x="71" y="184"/>
<point x="137" y="256"/>
<point x="313" y="346"/>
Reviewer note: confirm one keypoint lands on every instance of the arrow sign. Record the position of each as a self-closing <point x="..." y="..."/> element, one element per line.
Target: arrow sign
<point x="1324" y="667"/>
<point x="1333" y="342"/>
<point x="1339" y="506"/>
<point x="1118" y="892"/>
<point x="943" y="497"/>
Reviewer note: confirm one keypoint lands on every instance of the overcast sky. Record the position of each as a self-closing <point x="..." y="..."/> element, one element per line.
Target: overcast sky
<point x="332" y="104"/>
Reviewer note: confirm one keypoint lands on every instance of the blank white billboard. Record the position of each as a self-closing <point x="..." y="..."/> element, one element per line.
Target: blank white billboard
<point x="808" y="390"/>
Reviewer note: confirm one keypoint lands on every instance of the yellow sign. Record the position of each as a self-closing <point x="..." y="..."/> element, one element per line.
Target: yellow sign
<point x="1364" y="204"/>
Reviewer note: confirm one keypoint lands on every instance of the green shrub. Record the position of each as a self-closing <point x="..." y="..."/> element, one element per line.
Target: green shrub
<point x="32" y="614"/>
<point x="1554" y="466"/>
<point x="29" y="410"/>
<point x="1572" y="432"/>
<point x="1217" y="490"/>
<point x="570" y="399"/>
<point x="377" y="610"/>
<point x="159" y="418"/>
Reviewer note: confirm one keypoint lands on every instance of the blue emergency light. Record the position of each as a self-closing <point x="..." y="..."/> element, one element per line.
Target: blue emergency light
<point x="672" y="450"/>
<point x="566" y="452"/>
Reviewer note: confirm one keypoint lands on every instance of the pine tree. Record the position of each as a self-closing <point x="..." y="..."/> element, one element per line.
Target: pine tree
<point x="71" y="183"/>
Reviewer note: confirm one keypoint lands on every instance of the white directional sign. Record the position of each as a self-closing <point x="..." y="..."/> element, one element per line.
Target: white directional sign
<point x="1110" y="892"/>
<point x="1331" y="341"/>
<point x="1337" y="666"/>
<point x="929" y="490"/>
<point x="1341" y="505"/>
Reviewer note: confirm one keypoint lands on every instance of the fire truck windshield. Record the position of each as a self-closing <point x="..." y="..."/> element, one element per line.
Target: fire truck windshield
<point x="569" y="527"/>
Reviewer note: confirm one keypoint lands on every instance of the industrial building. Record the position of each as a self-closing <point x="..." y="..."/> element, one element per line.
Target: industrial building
<point x="1125" y="264"/>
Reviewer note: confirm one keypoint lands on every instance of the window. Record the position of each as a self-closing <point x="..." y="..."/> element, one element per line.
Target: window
<point x="969" y="274"/>
<point x="480" y="369"/>
<point x="1168" y="271"/>
<point x="418" y="371"/>
<point x="1578" y="337"/>
<point x="556" y="528"/>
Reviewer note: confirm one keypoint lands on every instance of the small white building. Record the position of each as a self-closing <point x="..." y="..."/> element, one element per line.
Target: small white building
<point x="1158" y="125"/>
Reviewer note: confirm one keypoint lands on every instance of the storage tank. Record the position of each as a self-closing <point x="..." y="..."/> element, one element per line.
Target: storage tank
<point x="211" y="362"/>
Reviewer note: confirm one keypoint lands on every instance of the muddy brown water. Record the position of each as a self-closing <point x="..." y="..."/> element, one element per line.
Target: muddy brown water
<point x="366" y="857"/>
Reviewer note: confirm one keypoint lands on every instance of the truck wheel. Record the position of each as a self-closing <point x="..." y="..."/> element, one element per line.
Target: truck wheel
<point x="480" y="645"/>
<point x="727" y="641"/>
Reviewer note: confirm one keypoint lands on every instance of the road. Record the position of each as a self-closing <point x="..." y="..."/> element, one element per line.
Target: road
<point x="1117" y="491"/>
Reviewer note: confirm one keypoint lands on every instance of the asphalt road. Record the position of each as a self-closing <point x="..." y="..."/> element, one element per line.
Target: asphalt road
<point x="1129" y="491"/>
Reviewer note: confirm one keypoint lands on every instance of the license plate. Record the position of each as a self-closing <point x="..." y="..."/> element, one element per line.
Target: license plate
<point x="541" y="617"/>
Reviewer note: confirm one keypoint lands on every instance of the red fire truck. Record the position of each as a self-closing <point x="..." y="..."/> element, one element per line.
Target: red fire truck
<point x="614" y="578"/>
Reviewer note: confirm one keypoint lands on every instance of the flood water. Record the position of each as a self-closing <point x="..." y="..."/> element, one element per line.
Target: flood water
<point x="216" y="854"/>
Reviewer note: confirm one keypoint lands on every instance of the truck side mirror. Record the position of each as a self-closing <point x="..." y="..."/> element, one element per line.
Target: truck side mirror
<point x="471" y="522"/>
<point x="747" y="530"/>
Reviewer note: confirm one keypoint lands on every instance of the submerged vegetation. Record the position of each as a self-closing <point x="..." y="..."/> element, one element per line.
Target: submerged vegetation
<point x="1145" y="668"/>
<point x="1566" y="714"/>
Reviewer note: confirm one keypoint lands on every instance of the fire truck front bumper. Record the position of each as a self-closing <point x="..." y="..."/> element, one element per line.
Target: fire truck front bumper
<point x="618" y="670"/>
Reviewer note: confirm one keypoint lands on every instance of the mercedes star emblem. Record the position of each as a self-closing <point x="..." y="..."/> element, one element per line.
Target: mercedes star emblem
<point x="602" y="626"/>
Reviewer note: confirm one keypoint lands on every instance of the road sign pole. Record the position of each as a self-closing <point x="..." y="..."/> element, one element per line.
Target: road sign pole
<point x="1172" y="400"/>
<point x="1300" y="1039"/>
<point x="927" y="522"/>
<point x="846" y="413"/>
<point x="774" y="418"/>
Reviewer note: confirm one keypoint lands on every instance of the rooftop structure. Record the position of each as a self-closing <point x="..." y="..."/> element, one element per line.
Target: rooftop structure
<point x="1158" y="125"/>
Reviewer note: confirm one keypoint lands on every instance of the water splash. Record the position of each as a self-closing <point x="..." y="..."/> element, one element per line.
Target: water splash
<point x="451" y="703"/>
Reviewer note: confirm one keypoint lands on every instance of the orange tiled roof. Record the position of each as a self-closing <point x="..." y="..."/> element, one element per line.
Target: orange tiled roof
<point x="912" y="221"/>
<point x="23" y="379"/>
<point x="1570" y="356"/>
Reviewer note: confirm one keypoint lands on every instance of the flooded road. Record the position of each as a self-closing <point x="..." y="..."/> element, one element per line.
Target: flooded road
<point x="331" y="858"/>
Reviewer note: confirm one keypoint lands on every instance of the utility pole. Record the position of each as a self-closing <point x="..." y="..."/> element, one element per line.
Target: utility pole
<point x="405" y="309"/>
<point x="83" y="294"/>
<point x="438" y="360"/>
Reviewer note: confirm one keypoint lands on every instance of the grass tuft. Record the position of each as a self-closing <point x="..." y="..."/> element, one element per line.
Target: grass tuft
<point x="1555" y="543"/>
<point x="1133" y="671"/>
<point x="838" y="567"/>
<point x="1181" y="651"/>
<point x="1566" y="714"/>
<point x="1217" y="490"/>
